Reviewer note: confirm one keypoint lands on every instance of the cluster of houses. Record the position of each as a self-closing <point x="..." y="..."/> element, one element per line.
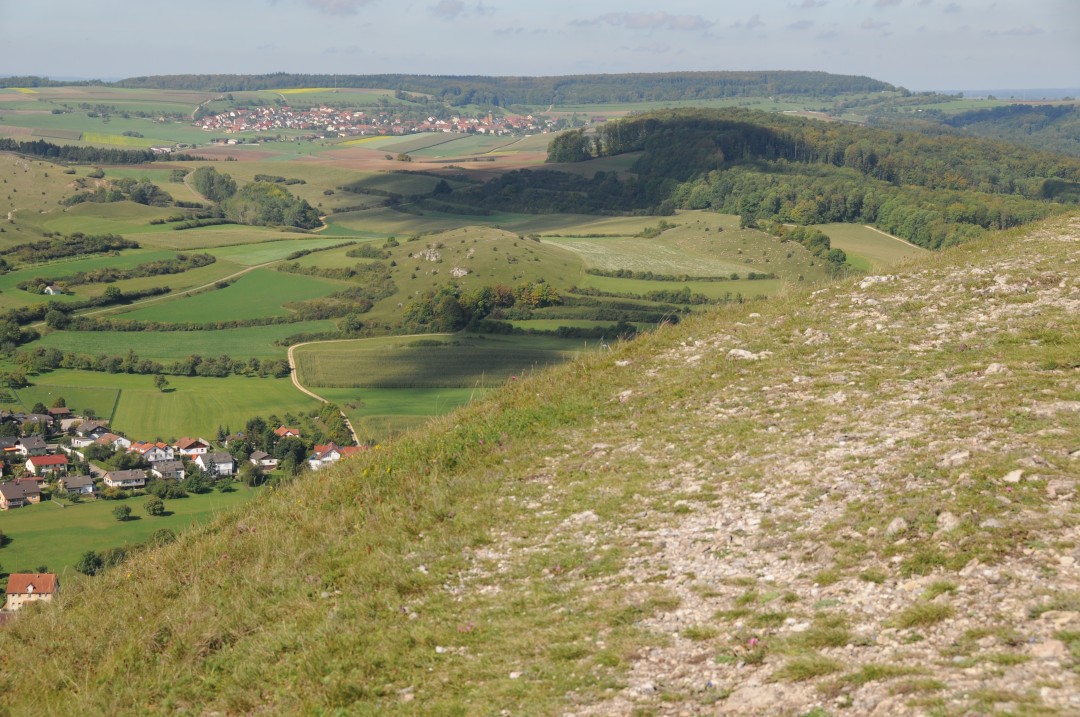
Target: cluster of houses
<point x="41" y="462"/>
<point x="330" y="121"/>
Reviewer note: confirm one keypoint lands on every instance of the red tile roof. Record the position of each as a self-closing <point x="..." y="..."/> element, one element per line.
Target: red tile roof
<point x="19" y="583"/>
<point x="57" y="460"/>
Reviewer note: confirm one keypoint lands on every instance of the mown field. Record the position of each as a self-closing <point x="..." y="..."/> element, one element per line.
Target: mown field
<point x="247" y="342"/>
<point x="189" y="406"/>
<point x="55" y="534"/>
<point x="434" y="361"/>
<point x="869" y="249"/>
<point x="80" y="399"/>
<point x="257" y="294"/>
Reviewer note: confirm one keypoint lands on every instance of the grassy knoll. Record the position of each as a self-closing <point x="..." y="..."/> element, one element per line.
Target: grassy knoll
<point x="869" y="249"/>
<point x="248" y="342"/>
<point x="648" y="489"/>
<point x="124" y="218"/>
<point x="212" y="236"/>
<point x="259" y="293"/>
<point x="191" y="405"/>
<point x="436" y="361"/>
<point x="53" y="535"/>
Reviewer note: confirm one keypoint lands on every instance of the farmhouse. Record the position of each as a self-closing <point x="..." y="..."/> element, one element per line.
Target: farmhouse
<point x="125" y="479"/>
<point x="23" y="588"/>
<point x="53" y="290"/>
<point x="42" y="465"/>
<point x="286" y="432"/>
<point x="77" y="484"/>
<point x="91" y="429"/>
<point x="19" y="493"/>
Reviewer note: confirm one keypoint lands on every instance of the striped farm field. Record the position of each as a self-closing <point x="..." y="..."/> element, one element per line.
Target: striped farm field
<point x="252" y="254"/>
<point x="57" y="133"/>
<point x="259" y="293"/>
<point x="432" y="361"/>
<point x="244" y="342"/>
<point x="378" y="413"/>
<point x="869" y="249"/>
<point x="713" y="289"/>
<point x="190" y="406"/>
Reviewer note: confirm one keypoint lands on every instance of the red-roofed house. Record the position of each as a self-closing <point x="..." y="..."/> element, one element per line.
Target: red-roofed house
<point x="23" y="588"/>
<point x="192" y="447"/>
<point x="42" y="465"/>
<point x="286" y="432"/>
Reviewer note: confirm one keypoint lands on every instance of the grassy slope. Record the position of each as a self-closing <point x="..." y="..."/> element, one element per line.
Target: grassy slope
<point x="526" y="552"/>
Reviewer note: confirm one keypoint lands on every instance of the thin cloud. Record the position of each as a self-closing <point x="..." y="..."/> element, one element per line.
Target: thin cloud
<point x="869" y="24"/>
<point x="809" y="4"/>
<point x="752" y="24"/>
<point x="649" y="21"/>
<point x="448" y="9"/>
<point x="339" y="7"/>
<point x="1025" y="31"/>
<point x="801" y="25"/>
<point x="887" y="3"/>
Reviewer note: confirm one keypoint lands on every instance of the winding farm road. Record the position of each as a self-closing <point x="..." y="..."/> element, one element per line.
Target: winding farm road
<point x="296" y="382"/>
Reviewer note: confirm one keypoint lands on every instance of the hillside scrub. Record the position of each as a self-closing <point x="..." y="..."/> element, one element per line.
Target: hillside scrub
<point x="745" y="513"/>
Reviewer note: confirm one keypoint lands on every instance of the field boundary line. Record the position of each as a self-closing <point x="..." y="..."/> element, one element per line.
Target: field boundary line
<point x="902" y="241"/>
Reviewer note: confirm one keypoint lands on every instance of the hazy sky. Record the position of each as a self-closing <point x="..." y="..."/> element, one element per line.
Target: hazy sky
<point x="920" y="44"/>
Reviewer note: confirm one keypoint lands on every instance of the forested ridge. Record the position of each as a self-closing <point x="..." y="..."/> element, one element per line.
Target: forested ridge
<point x="933" y="191"/>
<point x="458" y="90"/>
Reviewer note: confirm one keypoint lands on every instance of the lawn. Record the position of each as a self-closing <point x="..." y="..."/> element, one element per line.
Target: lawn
<point x="259" y="293"/>
<point x="55" y="536"/>
<point x="434" y="361"/>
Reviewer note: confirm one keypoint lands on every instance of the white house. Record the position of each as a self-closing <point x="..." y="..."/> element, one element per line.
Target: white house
<point x="192" y="447"/>
<point x="134" y="478"/>
<point x="264" y="460"/>
<point x="77" y="484"/>
<point x="168" y="470"/>
<point x="217" y="464"/>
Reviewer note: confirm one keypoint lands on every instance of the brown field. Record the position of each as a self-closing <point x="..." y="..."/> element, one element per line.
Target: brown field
<point x="9" y="131"/>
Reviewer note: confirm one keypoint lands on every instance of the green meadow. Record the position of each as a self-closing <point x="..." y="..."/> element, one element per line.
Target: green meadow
<point x="190" y="405"/>
<point x="436" y="361"/>
<point x="56" y="533"/>
<point x="869" y="249"/>
<point x="245" y="342"/>
<point x="101" y="400"/>
<point x="257" y="294"/>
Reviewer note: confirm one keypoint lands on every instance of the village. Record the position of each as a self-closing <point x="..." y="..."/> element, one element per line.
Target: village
<point x="343" y="123"/>
<point x="55" y="454"/>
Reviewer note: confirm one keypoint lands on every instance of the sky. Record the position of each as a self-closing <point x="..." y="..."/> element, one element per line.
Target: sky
<point x="917" y="44"/>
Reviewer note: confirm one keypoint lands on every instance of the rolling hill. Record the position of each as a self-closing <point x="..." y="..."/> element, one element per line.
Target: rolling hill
<point x="855" y="497"/>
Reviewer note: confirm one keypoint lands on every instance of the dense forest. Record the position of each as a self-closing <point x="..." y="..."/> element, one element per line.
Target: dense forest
<point x="570" y="89"/>
<point x="931" y="190"/>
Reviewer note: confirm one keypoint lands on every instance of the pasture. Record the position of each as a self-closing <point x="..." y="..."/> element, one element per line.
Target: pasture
<point x="378" y="413"/>
<point x="56" y="533"/>
<point x="80" y="399"/>
<point x="244" y="342"/>
<point x="432" y="361"/>
<point x="259" y="293"/>
<point x="869" y="249"/>
<point x="190" y="405"/>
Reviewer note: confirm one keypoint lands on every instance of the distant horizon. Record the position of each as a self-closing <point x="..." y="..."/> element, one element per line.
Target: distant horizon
<point x="1044" y="93"/>
<point x="916" y="44"/>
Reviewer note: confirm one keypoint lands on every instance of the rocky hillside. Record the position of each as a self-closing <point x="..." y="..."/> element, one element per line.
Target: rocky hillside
<point x="857" y="500"/>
